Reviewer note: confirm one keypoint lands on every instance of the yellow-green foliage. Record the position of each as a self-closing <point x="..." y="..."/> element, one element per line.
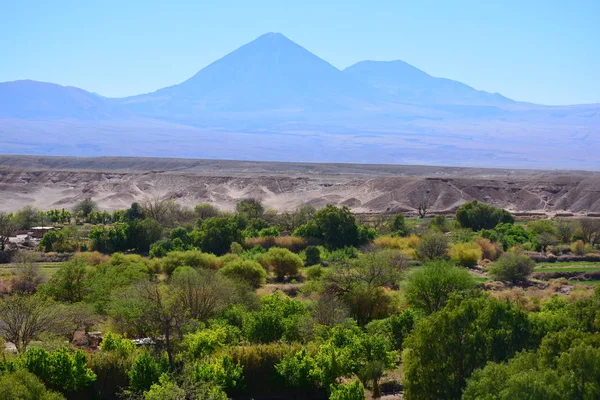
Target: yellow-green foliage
<point x="578" y="247"/>
<point x="401" y="243"/>
<point x="465" y="254"/>
<point x="191" y="258"/>
<point x="292" y="243"/>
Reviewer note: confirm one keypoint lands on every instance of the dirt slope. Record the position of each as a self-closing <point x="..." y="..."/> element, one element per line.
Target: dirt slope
<point x="57" y="182"/>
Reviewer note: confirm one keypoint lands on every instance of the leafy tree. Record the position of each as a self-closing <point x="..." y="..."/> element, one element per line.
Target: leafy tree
<point x="542" y="226"/>
<point x="398" y="226"/>
<point x="110" y="239"/>
<point x="61" y="369"/>
<point x="165" y="389"/>
<point x="69" y="283"/>
<point x="142" y="233"/>
<point x="247" y="271"/>
<point x="23" y="385"/>
<point x="216" y="234"/>
<point x="477" y="216"/>
<point x="589" y="229"/>
<point x="134" y="212"/>
<point x="565" y="230"/>
<point x="337" y="226"/>
<point x="28" y="274"/>
<point x="278" y="317"/>
<point x="432" y="246"/>
<point x="474" y="331"/>
<point x="221" y="371"/>
<point x="512" y="267"/>
<point x="205" y="211"/>
<point x="250" y="208"/>
<point x="7" y="227"/>
<point x="25" y="218"/>
<point x="85" y="207"/>
<point x="440" y="223"/>
<point x="430" y="288"/>
<point x="508" y="234"/>
<point x="282" y="262"/>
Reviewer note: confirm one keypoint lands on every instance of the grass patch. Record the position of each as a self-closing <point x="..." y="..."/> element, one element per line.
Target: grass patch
<point x="569" y="264"/>
<point x="47" y="269"/>
<point x="568" y="269"/>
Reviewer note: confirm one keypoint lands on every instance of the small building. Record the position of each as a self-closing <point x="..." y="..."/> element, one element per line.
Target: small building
<point x="37" y="232"/>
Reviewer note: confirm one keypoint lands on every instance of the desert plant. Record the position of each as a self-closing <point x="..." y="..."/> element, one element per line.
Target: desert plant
<point x="432" y="246"/>
<point x="247" y="271"/>
<point x="281" y="262"/>
<point x="465" y="254"/>
<point x="512" y="267"/>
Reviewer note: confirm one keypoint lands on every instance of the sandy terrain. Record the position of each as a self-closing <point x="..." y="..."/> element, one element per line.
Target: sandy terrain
<point x="115" y="182"/>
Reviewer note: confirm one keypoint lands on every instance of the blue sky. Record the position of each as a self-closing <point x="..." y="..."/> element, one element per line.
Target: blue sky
<point x="543" y="51"/>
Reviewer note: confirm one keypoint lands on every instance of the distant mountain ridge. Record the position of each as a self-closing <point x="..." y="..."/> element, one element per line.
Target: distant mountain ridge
<point x="272" y="93"/>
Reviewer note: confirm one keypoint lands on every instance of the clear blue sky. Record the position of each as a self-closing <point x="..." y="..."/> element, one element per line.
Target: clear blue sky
<point x="543" y="51"/>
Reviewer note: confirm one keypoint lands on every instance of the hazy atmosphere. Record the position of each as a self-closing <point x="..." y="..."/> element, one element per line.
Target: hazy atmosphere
<point x="289" y="200"/>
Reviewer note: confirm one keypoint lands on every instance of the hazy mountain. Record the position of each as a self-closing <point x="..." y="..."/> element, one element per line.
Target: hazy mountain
<point x="38" y="100"/>
<point x="409" y="84"/>
<point x="271" y="99"/>
<point x="270" y="73"/>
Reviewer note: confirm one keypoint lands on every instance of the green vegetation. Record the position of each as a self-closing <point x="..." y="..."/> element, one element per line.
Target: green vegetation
<point x="319" y="304"/>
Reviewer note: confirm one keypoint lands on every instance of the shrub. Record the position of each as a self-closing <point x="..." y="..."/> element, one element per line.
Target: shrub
<point x="428" y="289"/>
<point x="222" y="371"/>
<point x="24" y="385"/>
<point x="440" y="223"/>
<point x="489" y="251"/>
<point x="398" y="226"/>
<point x="313" y="255"/>
<point x="144" y="372"/>
<point x="314" y="272"/>
<point x="192" y="258"/>
<point x="247" y="271"/>
<point x="292" y="243"/>
<point x="281" y="262"/>
<point x="578" y="247"/>
<point x="401" y="243"/>
<point x="512" y="267"/>
<point x="236" y="248"/>
<point x="271" y="231"/>
<point x="432" y="246"/>
<point x="353" y="390"/>
<point x="465" y="254"/>
<point x="62" y="369"/>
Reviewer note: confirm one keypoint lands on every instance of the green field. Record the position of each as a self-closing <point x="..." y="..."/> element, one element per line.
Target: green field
<point x="568" y="269"/>
<point x="569" y="264"/>
<point x="46" y="268"/>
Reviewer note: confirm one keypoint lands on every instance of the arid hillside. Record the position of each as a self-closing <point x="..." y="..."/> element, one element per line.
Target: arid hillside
<point x="59" y="182"/>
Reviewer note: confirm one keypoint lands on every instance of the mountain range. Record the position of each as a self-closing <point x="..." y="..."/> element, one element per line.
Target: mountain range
<point x="271" y="96"/>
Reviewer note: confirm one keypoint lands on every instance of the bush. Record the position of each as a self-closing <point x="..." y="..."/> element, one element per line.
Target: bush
<point x="401" y="243"/>
<point x="353" y="390"/>
<point x="440" y="223"/>
<point x="313" y="255"/>
<point x="292" y="243"/>
<point x="23" y="385"/>
<point x="432" y="246"/>
<point x="247" y="271"/>
<point x="489" y="251"/>
<point x="428" y="289"/>
<point x="281" y="262"/>
<point x="144" y="372"/>
<point x="192" y="258"/>
<point x="512" y="267"/>
<point x="465" y="254"/>
<point x="398" y="226"/>
<point x="578" y="248"/>
<point x="477" y="216"/>
<point x="271" y="231"/>
<point x="61" y="369"/>
<point x="314" y="272"/>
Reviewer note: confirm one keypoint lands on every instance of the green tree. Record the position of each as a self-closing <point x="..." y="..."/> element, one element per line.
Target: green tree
<point x="474" y="331"/>
<point x="250" y="208"/>
<point x="62" y="369"/>
<point x="512" y="267"/>
<point x="144" y="372"/>
<point x="313" y="255"/>
<point x="398" y="226"/>
<point x="477" y="216"/>
<point x="85" y="207"/>
<point x="282" y="262"/>
<point x="142" y="233"/>
<point x="337" y="226"/>
<point x="429" y="289"/>
<point x="69" y="283"/>
<point x="7" y="227"/>
<point x="110" y="239"/>
<point x="25" y="218"/>
<point x="205" y="211"/>
<point x="216" y="234"/>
